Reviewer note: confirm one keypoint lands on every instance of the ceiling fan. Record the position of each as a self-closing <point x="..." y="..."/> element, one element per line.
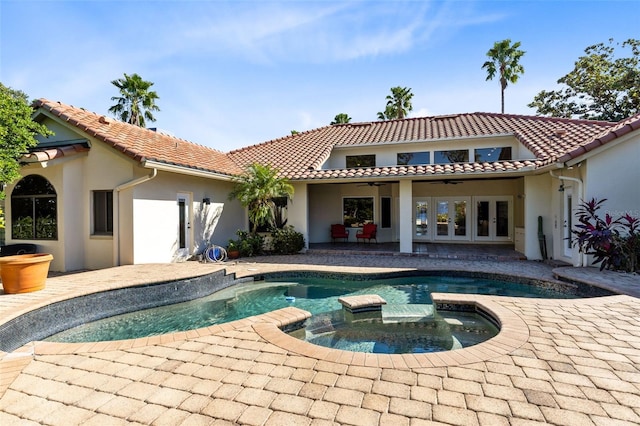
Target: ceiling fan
<point x="372" y="184"/>
<point x="447" y="182"/>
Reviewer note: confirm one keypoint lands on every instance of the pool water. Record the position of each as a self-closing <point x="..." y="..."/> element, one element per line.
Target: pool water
<point x="316" y="295"/>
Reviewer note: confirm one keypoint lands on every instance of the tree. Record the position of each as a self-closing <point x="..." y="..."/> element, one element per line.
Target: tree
<point x="398" y="104"/>
<point x="600" y="86"/>
<point x="341" y="118"/>
<point x="504" y="61"/>
<point x="135" y="102"/>
<point x="17" y="132"/>
<point x="256" y="190"/>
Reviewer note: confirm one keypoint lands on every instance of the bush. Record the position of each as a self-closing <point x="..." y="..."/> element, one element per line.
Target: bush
<point x="286" y="241"/>
<point x="247" y="243"/>
<point x="614" y="243"/>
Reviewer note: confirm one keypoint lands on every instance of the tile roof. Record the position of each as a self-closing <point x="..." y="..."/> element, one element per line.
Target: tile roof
<point x="142" y="144"/>
<point x="54" y="153"/>
<point x="609" y="135"/>
<point x="300" y="156"/>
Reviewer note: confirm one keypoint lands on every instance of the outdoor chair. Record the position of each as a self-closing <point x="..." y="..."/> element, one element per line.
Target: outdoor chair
<point x="368" y="232"/>
<point x="339" y="231"/>
<point x="13" y="249"/>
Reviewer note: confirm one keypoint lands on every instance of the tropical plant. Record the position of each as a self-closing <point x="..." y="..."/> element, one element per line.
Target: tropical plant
<point x="248" y="244"/>
<point x="504" y="60"/>
<point x="600" y="86"/>
<point x="136" y="101"/>
<point x="398" y="104"/>
<point x="256" y="190"/>
<point x="341" y="118"/>
<point x="286" y="241"/>
<point x="614" y="243"/>
<point x="17" y="132"/>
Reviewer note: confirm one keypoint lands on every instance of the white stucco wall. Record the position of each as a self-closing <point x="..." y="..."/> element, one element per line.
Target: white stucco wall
<point x="537" y="202"/>
<point x="614" y="174"/>
<point x="155" y="216"/>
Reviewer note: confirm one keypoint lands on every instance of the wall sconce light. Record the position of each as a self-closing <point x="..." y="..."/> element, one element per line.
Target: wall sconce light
<point x="206" y="201"/>
<point x="561" y="188"/>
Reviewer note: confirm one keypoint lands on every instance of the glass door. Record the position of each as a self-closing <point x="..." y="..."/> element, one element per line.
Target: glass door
<point x="184" y="225"/>
<point x="421" y="229"/>
<point x="452" y="218"/>
<point x="493" y="218"/>
<point x="568" y="221"/>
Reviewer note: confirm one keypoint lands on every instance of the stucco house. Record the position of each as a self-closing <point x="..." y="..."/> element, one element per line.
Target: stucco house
<point x="119" y="194"/>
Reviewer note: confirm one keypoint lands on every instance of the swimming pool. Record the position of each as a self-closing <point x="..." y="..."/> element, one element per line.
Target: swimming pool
<point x="315" y="293"/>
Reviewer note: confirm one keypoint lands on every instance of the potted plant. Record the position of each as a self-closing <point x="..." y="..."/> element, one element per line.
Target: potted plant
<point x="24" y="273"/>
<point x="233" y="249"/>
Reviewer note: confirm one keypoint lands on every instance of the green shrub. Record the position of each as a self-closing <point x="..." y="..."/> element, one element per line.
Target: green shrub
<point x="286" y="241"/>
<point x="249" y="244"/>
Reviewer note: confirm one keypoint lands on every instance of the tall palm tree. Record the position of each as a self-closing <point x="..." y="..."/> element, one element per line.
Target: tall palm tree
<point x="398" y="104"/>
<point x="136" y="101"/>
<point x="341" y="118"/>
<point x="256" y="190"/>
<point x="505" y="61"/>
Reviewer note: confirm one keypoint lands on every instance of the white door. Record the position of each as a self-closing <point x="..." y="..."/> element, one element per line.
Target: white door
<point x="493" y="218"/>
<point x="568" y="221"/>
<point x="421" y="230"/>
<point x="184" y="226"/>
<point x="452" y="218"/>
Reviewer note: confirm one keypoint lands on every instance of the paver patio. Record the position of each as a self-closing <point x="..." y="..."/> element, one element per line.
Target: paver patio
<point x="576" y="363"/>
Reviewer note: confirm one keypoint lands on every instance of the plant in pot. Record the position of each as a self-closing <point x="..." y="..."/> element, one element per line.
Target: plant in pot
<point x="233" y="249"/>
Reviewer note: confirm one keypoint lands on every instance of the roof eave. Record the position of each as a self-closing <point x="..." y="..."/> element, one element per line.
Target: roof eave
<point x="175" y="168"/>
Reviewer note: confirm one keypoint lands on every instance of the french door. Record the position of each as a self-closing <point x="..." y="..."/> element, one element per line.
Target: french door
<point x="493" y="218"/>
<point x="421" y="219"/>
<point x="453" y="218"/>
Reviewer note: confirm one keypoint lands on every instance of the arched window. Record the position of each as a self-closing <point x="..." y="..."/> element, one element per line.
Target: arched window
<point x="34" y="210"/>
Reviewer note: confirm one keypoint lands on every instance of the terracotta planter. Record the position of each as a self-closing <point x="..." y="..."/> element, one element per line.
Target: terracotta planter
<point x="24" y="273"/>
<point x="233" y="254"/>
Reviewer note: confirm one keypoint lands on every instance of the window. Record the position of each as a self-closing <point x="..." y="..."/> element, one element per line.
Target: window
<point x="411" y="158"/>
<point x="483" y="155"/>
<point x="452" y="156"/>
<point x="354" y="161"/>
<point x="34" y="210"/>
<point x="385" y="212"/>
<point x="102" y="212"/>
<point x="357" y="210"/>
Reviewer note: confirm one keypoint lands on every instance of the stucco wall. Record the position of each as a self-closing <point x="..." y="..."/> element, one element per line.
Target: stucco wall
<point x="155" y="216"/>
<point x="614" y="174"/>
<point x="537" y="202"/>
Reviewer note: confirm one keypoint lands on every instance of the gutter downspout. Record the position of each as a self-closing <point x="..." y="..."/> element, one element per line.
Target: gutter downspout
<point x="582" y="259"/>
<point x="116" y="211"/>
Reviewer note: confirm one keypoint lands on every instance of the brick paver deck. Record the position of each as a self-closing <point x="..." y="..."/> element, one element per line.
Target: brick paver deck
<point x="574" y="363"/>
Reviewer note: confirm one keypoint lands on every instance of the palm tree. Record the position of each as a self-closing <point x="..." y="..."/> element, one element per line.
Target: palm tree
<point x="135" y="102"/>
<point x="504" y="59"/>
<point x="341" y="118"/>
<point x="256" y="189"/>
<point x="398" y="104"/>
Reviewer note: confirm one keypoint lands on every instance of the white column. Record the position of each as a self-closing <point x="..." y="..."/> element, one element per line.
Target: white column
<point x="406" y="217"/>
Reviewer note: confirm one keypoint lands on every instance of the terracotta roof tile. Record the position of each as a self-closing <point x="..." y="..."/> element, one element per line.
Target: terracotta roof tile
<point x="142" y="144"/>
<point x="300" y="156"/>
<point x="609" y="135"/>
<point x="54" y="153"/>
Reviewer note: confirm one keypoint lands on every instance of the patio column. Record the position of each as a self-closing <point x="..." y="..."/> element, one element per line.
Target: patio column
<point x="406" y="216"/>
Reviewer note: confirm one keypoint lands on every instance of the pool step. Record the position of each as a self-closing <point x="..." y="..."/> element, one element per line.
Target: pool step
<point x="407" y="313"/>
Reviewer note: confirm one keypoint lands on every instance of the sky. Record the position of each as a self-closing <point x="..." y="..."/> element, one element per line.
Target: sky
<point x="235" y="73"/>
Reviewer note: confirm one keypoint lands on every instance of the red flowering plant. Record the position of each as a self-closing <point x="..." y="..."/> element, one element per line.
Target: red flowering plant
<point x="614" y="243"/>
